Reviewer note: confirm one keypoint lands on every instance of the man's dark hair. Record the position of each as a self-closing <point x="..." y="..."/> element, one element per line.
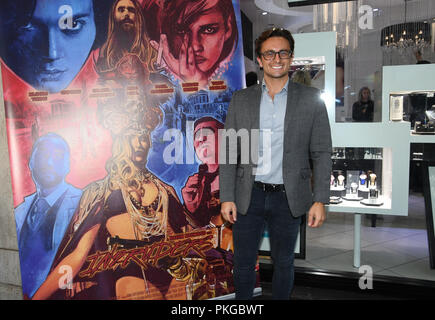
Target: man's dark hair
<point x="101" y="16"/>
<point x="274" y="32"/>
<point x="17" y="13"/>
<point x="219" y="125"/>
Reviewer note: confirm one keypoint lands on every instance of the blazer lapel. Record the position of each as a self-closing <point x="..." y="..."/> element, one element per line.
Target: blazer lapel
<point x="254" y="107"/>
<point x="292" y="103"/>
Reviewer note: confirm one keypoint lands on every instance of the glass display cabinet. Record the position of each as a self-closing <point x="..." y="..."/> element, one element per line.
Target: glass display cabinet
<point x="358" y="179"/>
<point x="415" y="107"/>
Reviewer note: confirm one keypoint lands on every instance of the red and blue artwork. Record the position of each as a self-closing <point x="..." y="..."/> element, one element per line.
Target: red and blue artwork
<point x="113" y="110"/>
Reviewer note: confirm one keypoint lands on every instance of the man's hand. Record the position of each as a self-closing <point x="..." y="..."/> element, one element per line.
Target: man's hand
<point x="316" y="215"/>
<point x="184" y="67"/>
<point x="229" y="211"/>
<point x="192" y="192"/>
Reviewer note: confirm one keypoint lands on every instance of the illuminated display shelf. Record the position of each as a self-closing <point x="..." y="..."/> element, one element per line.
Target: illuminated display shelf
<point x="350" y="163"/>
<point x="345" y="205"/>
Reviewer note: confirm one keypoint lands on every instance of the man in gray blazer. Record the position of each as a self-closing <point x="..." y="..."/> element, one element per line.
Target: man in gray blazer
<point x="270" y="182"/>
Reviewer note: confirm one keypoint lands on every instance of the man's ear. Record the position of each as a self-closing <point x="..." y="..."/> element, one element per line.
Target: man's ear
<point x="259" y="62"/>
<point x="229" y="28"/>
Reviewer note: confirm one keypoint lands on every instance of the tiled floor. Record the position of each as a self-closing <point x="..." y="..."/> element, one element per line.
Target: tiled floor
<point x="397" y="246"/>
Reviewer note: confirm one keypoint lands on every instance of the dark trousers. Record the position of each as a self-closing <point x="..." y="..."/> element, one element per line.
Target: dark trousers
<point x="269" y="208"/>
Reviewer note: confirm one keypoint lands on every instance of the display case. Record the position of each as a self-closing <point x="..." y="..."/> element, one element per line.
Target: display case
<point x="357" y="177"/>
<point x="415" y="107"/>
<point x="408" y="97"/>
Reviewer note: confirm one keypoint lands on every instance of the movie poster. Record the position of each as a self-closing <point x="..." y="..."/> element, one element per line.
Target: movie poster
<point x="112" y="110"/>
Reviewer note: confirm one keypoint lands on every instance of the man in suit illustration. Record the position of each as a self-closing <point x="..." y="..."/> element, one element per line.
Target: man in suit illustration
<point x="276" y="191"/>
<point x="42" y="218"/>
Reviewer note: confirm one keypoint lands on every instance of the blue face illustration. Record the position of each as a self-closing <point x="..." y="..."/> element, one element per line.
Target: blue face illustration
<point x="47" y="52"/>
<point x="50" y="163"/>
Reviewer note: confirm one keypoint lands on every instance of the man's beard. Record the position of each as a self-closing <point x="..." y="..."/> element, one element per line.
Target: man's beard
<point x="127" y="26"/>
<point x="125" y="35"/>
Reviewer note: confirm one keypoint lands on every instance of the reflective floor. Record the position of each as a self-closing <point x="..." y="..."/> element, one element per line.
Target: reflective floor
<point x="314" y="293"/>
<point x="397" y="246"/>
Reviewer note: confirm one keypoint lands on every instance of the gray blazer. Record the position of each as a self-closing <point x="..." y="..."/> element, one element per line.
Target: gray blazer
<point x="307" y="135"/>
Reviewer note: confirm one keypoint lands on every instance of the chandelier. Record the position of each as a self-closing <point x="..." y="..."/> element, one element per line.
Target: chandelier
<point x="409" y="34"/>
<point x="406" y="36"/>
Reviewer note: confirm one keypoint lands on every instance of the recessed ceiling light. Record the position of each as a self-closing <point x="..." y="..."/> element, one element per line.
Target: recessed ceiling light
<point x="264" y="13"/>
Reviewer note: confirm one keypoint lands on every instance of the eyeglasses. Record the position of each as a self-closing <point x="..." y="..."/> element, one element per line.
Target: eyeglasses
<point x="283" y="54"/>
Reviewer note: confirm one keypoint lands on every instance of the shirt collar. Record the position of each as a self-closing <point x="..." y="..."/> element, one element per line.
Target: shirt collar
<point x="55" y="195"/>
<point x="284" y="89"/>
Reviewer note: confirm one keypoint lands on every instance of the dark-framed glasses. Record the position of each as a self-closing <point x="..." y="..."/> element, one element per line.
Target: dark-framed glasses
<point x="283" y="54"/>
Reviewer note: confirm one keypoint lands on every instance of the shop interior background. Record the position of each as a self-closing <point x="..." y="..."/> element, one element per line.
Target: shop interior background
<point x="394" y="246"/>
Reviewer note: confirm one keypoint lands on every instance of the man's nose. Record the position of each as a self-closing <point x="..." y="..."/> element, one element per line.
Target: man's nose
<point x="135" y="143"/>
<point x="197" y="43"/>
<point x="53" y="44"/>
<point x="49" y="161"/>
<point x="203" y="138"/>
<point x="127" y="13"/>
<point x="276" y="57"/>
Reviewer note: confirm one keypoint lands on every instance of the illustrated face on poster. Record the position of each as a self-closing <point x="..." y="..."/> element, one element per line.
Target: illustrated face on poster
<point x="125" y="15"/>
<point x="41" y="52"/>
<point x="206" y="36"/>
<point x="205" y="141"/>
<point x="140" y="145"/>
<point x="49" y="163"/>
<point x="196" y="36"/>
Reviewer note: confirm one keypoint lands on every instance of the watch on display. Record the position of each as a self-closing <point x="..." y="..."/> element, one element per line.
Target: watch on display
<point x="362" y="179"/>
<point x="372" y="181"/>
<point x="341" y="180"/>
<point x="353" y="188"/>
